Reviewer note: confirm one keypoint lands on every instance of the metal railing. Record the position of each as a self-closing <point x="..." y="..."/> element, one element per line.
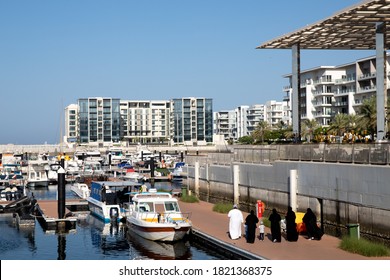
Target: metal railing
<point x="377" y="154"/>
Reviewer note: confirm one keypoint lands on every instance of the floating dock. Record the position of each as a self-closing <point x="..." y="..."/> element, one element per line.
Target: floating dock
<point x="47" y="215"/>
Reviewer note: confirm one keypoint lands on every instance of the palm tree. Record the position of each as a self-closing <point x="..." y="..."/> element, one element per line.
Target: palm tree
<point x="307" y="129"/>
<point x="262" y="128"/>
<point x="367" y="115"/>
<point x="339" y="124"/>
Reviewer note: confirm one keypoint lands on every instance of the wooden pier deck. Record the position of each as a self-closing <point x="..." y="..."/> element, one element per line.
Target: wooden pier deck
<point x="47" y="215"/>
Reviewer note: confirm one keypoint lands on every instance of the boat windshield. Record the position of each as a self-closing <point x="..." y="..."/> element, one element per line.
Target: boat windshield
<point x="166" y="206"/>
<point x="171" y="206"/>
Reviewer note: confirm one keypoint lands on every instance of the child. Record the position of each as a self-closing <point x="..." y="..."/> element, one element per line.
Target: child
<point x="261" y="228"/>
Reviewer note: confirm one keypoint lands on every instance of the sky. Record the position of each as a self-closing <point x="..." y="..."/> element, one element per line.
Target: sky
<point x="53" y="52"/>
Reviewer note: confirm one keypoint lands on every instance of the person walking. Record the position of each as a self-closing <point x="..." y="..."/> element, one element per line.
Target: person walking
<point x="275" y="219"/>
<point x="235" y="222"/>
<point x="310" y="221"/>
<point x="261" y="230"/>
<point x="291" y="226"/>
<point x="251" y="224"/>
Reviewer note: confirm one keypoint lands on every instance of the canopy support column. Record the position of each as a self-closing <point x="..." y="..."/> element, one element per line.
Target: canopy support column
<point x="381" y="82"/>
<point x="295" y="95"/>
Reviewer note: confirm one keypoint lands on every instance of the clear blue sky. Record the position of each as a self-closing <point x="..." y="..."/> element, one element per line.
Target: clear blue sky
<point x="53" y="52"/>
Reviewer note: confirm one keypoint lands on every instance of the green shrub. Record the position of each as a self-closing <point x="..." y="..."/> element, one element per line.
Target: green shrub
<point x="189" y="198"/>
<point x="364" y="247"/>
<point x="266" y="222"/>
<point x="223" y="208"/>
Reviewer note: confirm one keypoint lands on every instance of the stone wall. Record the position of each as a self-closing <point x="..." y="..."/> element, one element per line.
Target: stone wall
<point x="340" y="194"/>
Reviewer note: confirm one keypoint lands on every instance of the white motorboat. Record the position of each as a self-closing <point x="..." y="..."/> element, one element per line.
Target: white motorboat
<point x="156" y="216"/>
<point x="177" y="174"/>
<point x="37" y="174"/>
<point x="81" y="190"/>
<point x="109" y="200"/>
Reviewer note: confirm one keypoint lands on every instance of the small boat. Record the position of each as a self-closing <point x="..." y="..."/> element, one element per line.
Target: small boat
<point x="37" y="174"/>
<point x="52" y="174"/>
<point x="177" y="173"/>
<point x="109" y="200"/>
<point x="81" y="190"/>
<point x="156" y="216"/>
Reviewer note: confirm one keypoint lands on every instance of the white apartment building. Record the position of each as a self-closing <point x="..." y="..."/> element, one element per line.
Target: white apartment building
<point x="225" y="123"/>
<point x="275" y="112"/>
<point x="104" y="121"/>
<point x="255" y="114"/>
<point x="241" y="121"/>
<point x="329" y="90"/>
<point x="145" y="121"/>
<point x="71" y="123"/>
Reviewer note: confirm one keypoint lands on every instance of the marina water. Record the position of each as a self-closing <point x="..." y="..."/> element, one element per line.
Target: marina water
<point x="91" y="240"/>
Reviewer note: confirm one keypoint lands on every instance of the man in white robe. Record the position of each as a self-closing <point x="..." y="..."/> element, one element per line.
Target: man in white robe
<point x="235" y="223"/>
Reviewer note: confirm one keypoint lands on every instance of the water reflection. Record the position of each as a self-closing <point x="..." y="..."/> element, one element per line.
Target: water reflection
<point x="61" y="247"/>
<point x="179" y="250"/>
<point x="109" y="238"/>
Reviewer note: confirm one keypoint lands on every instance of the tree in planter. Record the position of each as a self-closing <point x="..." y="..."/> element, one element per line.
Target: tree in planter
<point x="339" y="124"/>
<point x="307" y="129"/>
<point x="261" y="130"/>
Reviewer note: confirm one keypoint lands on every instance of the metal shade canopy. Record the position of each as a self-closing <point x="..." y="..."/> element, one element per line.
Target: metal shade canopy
<point x="353" y="28"/>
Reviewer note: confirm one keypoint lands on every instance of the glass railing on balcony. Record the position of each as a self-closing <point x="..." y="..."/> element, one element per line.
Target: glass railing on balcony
<point x="323" y="81"/>
<point x="346" y="80"/>
<point x="341" y="103"/>
<point x="321" y="92"/>
<point x="366" y="89"/>
<point x="367" y="76"/>
<point x="345" y="91"/>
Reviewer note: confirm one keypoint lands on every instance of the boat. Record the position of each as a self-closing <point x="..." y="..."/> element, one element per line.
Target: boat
<point x="91" y="168"/>
<point x="109" y="200"/>
<point x="52" y="174"/>
<point x="177" y="174"/>
<point x="81" y="190"/>
<point x="37" y="174"/>
<point x="133" y="177"/>
<point x="156" y="216"/>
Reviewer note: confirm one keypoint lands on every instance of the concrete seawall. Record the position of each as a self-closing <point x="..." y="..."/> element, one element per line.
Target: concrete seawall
<point x="340" y="194"/>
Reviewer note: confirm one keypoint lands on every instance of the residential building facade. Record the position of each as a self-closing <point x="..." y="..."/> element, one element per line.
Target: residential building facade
<point x="105" y="121"/>
<point x="225" y="124"/>
<point x="329" y="90"/>
<point x="99" y="120"/>
<point x="71" y="123"/>
<point x="192" y="121"/>
<point x="145" y="121"/>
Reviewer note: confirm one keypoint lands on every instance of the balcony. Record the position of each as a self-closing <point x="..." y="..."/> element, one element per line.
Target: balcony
<point x="367" y="76"/>
<point x="321" y="92"/>
<point x="346" y="80"/>
<point x="366" y="89"/>
<point x="323" y="81"/>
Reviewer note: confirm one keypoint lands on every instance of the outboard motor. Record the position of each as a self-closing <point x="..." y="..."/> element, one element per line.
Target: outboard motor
<point x="114" y="214"/>
<point x="8" y="196"/>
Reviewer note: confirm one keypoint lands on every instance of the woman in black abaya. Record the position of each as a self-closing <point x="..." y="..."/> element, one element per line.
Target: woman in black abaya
<point x="275" y="219"/>
<point x="251" y="221"/>
<point x="291" y="226"/>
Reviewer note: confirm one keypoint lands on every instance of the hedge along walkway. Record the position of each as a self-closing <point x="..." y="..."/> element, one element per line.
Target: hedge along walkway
<point x="216" y="224"/>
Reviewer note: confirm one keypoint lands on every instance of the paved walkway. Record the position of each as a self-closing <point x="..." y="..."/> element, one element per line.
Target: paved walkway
<point x="216" y="224"/>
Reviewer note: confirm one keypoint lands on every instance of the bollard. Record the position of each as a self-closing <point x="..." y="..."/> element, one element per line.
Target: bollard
<point x="61" y="193"/>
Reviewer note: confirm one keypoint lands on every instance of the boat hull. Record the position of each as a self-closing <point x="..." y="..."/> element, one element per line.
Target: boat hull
<point x="38" y="184"/>
<point x="104" y="212"/>
<point x="81" y="190"/>
<point x="167" y="232"/>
